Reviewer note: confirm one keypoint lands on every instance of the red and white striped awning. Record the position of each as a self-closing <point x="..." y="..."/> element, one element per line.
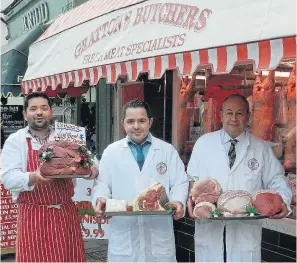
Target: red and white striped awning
<point x="264" y="55"/>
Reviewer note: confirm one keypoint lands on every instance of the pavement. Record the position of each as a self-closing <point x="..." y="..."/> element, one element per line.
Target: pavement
<point x="96" y="251"/>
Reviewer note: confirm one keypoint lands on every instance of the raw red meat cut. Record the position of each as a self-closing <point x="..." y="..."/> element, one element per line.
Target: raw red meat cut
<point x="63" y="160"/>
<point x="183" y="128"/>
<point x="203" y="210"/>
<point x="152" y="198"/>
<point x="263" y="99"/>
<point x="207" y="190"/>
<point x="290" y="148"/>
<point x="268" y="202"/>
<point x="234" y="202"/>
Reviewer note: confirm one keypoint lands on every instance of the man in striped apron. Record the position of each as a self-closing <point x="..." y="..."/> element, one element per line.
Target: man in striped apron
<point x="48" y="228"/>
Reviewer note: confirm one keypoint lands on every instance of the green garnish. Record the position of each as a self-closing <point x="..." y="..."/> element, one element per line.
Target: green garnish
<point x="215" y="213"/>
<point x="252" y="210"/>
<point x="168" y="208"/>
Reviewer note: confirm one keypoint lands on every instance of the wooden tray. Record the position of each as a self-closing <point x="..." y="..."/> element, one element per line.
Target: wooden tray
<point x="228" y="218"/>
<point x="141" y="213"/>
<point x="65" y="176"/>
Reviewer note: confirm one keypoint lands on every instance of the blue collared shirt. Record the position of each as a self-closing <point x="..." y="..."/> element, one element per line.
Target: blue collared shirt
<point x="146" y="146"/>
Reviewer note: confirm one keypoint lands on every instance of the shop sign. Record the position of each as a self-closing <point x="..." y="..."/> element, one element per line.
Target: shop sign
<point x="37" y="15"/>
<point x="183" y="18"/>
<point x="8" y="216"/>
<point x="70" y="133"/>
<point x="12" y="116"/>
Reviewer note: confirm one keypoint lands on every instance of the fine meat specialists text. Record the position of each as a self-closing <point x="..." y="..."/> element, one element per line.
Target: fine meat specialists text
<point x="136" y="48"/>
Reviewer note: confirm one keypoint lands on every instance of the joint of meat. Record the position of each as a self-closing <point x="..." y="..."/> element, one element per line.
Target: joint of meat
<point x="62" y="149"/>
<point x="153" y="198"/>
<point x="268" y="202"/>
<point x="63" y="160"/>
<point x="207" y="190"/>
<point x="62" y="166"/>
<point x="234" y="202"/>
<point x="203" y="210"/>
<point x="263" y="98"/>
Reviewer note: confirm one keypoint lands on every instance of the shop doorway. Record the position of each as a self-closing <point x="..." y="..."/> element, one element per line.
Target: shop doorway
<point x="158" y="94"/>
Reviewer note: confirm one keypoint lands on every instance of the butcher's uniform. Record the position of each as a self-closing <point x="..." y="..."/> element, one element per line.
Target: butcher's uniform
<point x="255" y="168"/>
<point x="48" y="228"/>
<point x="140" y="238"/>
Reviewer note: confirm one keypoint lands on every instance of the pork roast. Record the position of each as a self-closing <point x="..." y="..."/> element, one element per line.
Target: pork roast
<point x="152" y="198"/>
<point x="203" y="210"/>
<point x="234" y="202"/>
<point x="207" y="190"/>
<point x="268" y="202"/>
<point x="63" y="160"/>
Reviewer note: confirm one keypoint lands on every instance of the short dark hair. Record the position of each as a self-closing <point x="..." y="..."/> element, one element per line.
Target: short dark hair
<point x="36" y="95"/>
<point x="244" y="100"/>
<point x="137" y="104"/>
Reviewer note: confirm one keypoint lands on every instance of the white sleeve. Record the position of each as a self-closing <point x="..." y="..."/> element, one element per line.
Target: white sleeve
<point x="274" y="177"/>
<point x="193" y="165"/>
<point x="14" y="178"/>
<point x="102" y="184"/>
<point x="178" y="181"/>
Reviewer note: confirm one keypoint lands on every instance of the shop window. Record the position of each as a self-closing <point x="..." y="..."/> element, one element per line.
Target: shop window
<point x="272" y="100"/>
<point x="87" y="117"/>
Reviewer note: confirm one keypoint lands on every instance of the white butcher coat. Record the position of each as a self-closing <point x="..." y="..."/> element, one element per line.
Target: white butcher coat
<point x="140" y="238"/>
<point x="255" y="168"/>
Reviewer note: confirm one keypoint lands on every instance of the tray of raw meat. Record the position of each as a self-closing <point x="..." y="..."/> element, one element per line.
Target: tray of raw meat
<point x="211" y="203"/>
<point x="150" y="202"/>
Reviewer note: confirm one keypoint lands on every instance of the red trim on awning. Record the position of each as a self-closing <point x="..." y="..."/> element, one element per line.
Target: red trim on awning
<point x="226" y="57"/>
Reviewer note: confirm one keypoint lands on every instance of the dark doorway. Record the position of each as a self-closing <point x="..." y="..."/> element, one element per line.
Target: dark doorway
<point x="158" y="94"/>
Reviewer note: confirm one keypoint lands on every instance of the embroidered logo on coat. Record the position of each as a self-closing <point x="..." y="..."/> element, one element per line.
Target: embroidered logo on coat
<point x="161" y="168"/>
<point x="253" y="164"/>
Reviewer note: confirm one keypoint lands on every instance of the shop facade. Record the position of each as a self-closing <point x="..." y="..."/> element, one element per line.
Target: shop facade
<point x="26" y="21"/>
<point x="183" y="66"/>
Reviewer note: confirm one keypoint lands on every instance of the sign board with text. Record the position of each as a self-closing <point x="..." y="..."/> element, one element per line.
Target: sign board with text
<point x="91" y="226"/>
<point x="12" y="116"/>
<point x="170" y="27"/>
<point x="70" y="133"/>
<point x="8" y="221"/>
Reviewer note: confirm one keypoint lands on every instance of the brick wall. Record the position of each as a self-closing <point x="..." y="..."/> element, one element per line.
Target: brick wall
<point x="276" y="247"/>
<point x="184" y="239"/>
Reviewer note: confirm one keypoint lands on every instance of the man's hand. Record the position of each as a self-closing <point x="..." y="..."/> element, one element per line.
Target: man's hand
<point x="94" y="173"/>
<point x="190" y="207"/>
<point x="100" y="207"/>
<point x="179" y="209"/>
<point x="37" y="178"/>
<point x="283" y="213"/>
<point x="190" y="201"/>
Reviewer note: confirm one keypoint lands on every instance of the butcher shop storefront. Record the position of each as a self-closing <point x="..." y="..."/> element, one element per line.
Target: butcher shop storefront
<point x="192" y="55"/>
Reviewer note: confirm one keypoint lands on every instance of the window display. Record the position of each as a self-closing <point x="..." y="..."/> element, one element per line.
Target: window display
<point x="272" y="102"/>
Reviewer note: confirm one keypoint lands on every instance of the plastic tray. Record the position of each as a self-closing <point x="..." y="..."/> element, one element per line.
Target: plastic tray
<point x="227" y="218"/>
<point x="65" y="176"/>
<point x="141" y="213"/>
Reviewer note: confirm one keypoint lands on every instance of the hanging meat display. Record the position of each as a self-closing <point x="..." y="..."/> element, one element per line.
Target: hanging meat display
<point x="263" y="99"/>
<point x="290" y="142"/>
<point x="186" y="93"/>
<point x="280" y="129"/>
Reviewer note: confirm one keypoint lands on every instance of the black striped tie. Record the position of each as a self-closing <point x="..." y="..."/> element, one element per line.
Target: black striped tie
<point x="232" y="153"/>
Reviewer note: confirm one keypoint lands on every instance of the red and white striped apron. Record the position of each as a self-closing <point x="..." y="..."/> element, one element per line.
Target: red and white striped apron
<point x="45" y="232"/>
